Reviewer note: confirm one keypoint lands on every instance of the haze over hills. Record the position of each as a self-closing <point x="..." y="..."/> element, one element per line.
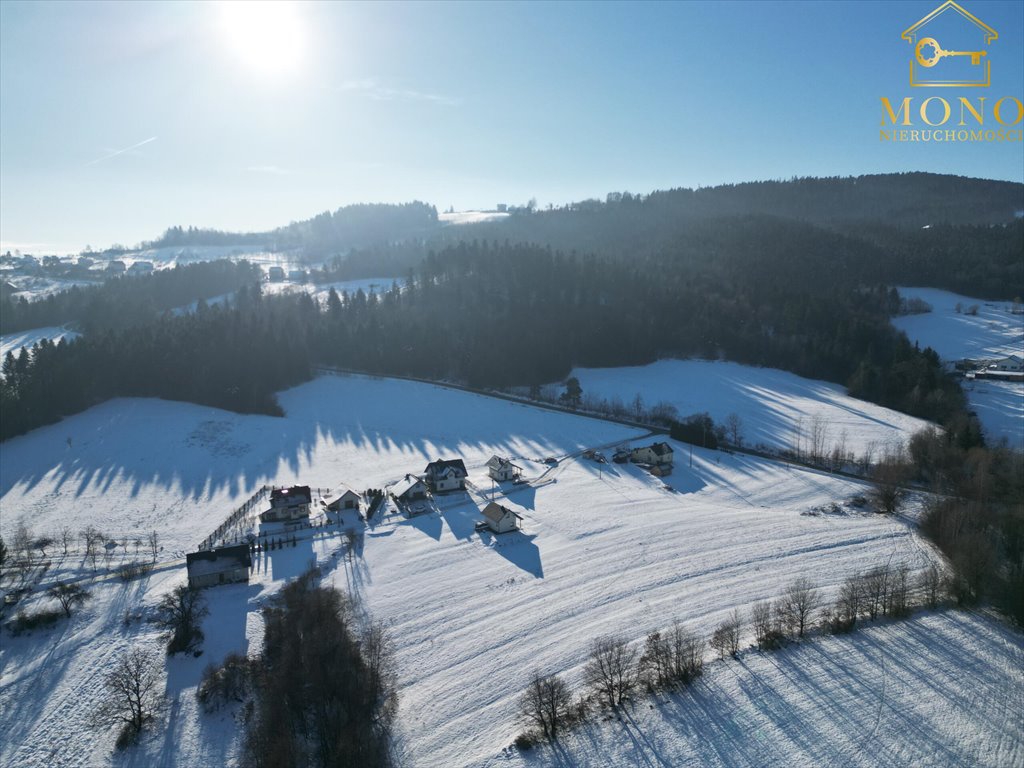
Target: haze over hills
<point x="903" y="201"/>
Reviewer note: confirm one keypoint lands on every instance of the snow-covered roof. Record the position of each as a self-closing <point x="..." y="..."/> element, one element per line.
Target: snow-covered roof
<point x="437" y="467"/>
<point x="217" y="560"/>
<point x="405" y="485"/>
<point x="496" y="462"/>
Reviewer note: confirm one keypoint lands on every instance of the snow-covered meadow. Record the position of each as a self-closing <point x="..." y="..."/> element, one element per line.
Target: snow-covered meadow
<point x="13" y="342"/>
<point x="778" y="409"/>
<point x="994" y="332"/>
<point x="605" y="549"/>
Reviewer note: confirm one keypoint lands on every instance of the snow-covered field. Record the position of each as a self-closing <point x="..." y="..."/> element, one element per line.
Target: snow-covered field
<point x="991" y="334"/>
<point x="778" y="409"/>
<point x="470" y="217"/>
<point x="939" y="690"/>
<point x="320" y="291"/>
<point x="605" y="549"/>
<point x="13" y="342"/>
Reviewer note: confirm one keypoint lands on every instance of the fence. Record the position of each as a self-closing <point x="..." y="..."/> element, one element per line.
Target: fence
<point x="235" y="527"/>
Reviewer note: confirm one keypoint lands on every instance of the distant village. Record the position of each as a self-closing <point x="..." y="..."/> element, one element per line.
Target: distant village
<point x="226" y="556"/>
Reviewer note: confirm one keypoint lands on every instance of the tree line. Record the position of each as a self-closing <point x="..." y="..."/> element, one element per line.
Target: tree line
<point x="616" y="670"/>
<point x="474" y="313"/>
<point x="127" y="301"/>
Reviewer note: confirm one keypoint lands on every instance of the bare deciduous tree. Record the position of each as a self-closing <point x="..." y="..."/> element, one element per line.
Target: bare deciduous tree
<point x="798" y="605"/>
<point x="611" y="670"/>
<point x="92" y="539"/>
<point x="180" y="613"/>
<point x="930" y="582"/>
<point x="726" y="637"/>
<point x="546" y="704"/>
<point x="734" y="428"/>
<point x="765" y="622"/>
<point x="898" y="599"/>
<point x="874" y="587"/>
<point x="133" y="694"/>
<point x="66" y="536"/>
<point x="68" y="595"/>
<point x="154" y="544"/>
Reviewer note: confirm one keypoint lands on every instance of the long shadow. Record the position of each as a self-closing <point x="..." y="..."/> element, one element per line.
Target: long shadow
<point x="518" y="548"/>
<point x="288" y="561"/>
<point x="219" y="451"/>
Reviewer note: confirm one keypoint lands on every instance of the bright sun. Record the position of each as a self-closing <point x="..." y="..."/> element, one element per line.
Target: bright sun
<point x="267" y="36"/>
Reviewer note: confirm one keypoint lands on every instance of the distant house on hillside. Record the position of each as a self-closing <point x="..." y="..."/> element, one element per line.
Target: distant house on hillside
<point x="288" y="504"/>
<point x="347" y="499"/>
<point x="501" y="519"/>
<point x="657" y="454"/>
<point x="226" y="565"/>
<point x="140" y="268"/>
<point x="446" y="475"/>
<point x="116" y="267"/>
<point x="409" y="489"/>
<point x="297" y="275"/>
<point x="275" y="274"/>
<point x="1011" y="364"/>
<point x="503" y="469"/>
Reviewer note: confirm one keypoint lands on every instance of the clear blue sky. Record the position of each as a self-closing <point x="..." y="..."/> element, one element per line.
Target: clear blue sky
<point x="118" y="120"/>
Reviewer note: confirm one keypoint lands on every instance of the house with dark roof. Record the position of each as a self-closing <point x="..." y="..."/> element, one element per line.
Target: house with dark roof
<point x="501" y="519"/>
<point x="656" y="454"/>
<point x="288" y="504"/>
<point x="446" y="475"/>
<point x="226" y="565"/>
<point x="503" y="469"/>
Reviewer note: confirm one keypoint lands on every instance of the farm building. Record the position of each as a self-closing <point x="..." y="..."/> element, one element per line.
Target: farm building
<point x="275" y="274"/>
<point x="288" y="504"/>
<point x="140" y="268"/>
<point x="501" y="519"/>
<point x="226" y="565"/>
<point x="446" y="475"/>
<point x="657" y="454"/>
<point x="503" y="469"/>
<point x="410" y="488"/>
<point x="347" y="499"/>
<point x="1012" y="364"/>
<point x="116" y="267"/>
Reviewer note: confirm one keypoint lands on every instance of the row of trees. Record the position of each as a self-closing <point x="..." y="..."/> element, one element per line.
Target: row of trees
<point x="615" y="669"/>
<point x="447" y="323"/>
<point x="126" y="302"/>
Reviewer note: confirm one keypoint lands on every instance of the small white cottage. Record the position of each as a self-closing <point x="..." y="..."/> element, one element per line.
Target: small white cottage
<point x="657" y="454"/>
<point x="501" y="519"/>
<point x="408" y="489"/>
<point x="503" y="469"/>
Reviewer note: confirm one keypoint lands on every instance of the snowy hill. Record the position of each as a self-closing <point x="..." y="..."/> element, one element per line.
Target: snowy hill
<point x="777" y="408"/>
<point x="604" y="549"/>
<point x="992" y="333"/>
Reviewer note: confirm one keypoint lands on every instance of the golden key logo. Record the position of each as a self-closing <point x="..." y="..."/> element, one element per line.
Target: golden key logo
<point x="935" y="67"/>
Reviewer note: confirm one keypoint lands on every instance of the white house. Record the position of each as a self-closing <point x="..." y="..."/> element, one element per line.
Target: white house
<point x="501" y="519"/>
<point x="1012" y="364"/>
<point x="347" y="499"/>
<point x="446" y="475"/>
<point x="410" y="488"/>
<point x="502" y="469"/>
<point x="218" y="566"/>
<point x="657" y="454"/>
<point x="288" y="504"/>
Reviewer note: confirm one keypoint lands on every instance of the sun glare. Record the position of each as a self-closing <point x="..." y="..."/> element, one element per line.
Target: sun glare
<point x="267" y="36"/>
